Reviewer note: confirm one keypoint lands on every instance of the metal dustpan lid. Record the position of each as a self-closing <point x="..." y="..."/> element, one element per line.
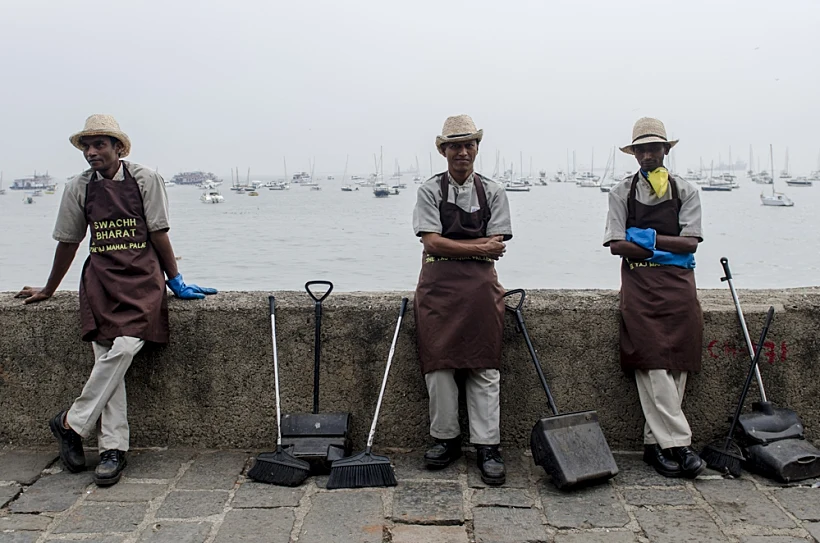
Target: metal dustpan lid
<point x="572" y="449"/>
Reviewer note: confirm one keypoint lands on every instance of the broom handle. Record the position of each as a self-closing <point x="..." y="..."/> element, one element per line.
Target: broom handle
<point x="372" y="435"/>
<point x="272" y="303"/>
<point x="728" y="278"/>
<point x="755" y="358"/>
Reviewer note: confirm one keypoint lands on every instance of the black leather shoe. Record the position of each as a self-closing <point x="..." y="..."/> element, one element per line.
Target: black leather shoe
<point x="108" y="471"/>
<point x="663" y="464"/>
<point x="691" y="464"/>
<point x="71" y="444"/>
<point x="443" y="453"/>
<point x="491" y="465"/>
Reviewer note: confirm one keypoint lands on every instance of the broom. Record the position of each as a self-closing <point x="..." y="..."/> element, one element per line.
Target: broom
<point x="279" y="467"/>
<point x="366" y="469"/>
<point x="724" y="455"/>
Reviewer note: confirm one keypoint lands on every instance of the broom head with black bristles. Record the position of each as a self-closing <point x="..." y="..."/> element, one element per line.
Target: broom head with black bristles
<point x="362" y="470"/>
<point x="279" y="468"/>
<point x="723" y="456"/>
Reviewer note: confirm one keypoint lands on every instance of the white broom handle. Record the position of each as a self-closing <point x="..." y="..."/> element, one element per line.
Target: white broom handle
<point x="748" y="339"/>
<point x="371" y="436"/>
<point x="272" y="303"/>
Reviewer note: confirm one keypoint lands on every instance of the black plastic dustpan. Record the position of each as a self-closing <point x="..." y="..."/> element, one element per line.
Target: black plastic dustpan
<point x="318" y="438"/>
<point x="570" y="447"/>
<point x="772" y="438"/>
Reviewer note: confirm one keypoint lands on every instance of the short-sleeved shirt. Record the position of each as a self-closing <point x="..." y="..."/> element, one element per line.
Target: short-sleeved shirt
<point x="71" y="225"/>
<point x="427" y="217"/>
<point x="689" y="216"/>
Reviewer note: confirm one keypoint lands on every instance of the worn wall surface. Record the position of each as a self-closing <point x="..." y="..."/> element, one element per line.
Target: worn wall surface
<point x="213" y="385"/>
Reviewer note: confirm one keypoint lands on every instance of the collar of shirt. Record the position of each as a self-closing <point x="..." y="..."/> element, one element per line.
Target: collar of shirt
<point x="464" y="195"/>
<point x="119" y="176"/>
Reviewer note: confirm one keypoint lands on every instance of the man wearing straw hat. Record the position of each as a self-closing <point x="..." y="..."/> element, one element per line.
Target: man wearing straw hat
<point x="463" y="219"/>
<point x="122" y="289"/>
<point x="654" y="225"/>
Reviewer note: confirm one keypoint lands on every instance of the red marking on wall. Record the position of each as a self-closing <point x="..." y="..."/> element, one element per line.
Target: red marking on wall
<point x="772" y="352"/>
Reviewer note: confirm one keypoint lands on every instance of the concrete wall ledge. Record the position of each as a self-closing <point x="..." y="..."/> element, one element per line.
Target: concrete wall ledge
<point x="213" y="385"/>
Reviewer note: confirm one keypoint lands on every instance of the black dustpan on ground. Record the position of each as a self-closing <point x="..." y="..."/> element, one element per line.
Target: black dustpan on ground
<point x="318" y="438"/>
<point x="570" y="447"/>
<point x="771" y="438"/>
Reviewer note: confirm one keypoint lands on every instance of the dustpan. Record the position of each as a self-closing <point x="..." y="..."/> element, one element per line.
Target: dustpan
<point x="570" y="447"/>
<point x="318" y="438"/>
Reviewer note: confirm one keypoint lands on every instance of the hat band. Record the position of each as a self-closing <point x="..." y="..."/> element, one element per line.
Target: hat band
<point x="649" y="136"/>
<point x="458" y="135"/>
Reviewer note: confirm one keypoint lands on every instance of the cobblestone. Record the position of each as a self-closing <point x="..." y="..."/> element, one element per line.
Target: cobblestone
<point x="185" y="496"/>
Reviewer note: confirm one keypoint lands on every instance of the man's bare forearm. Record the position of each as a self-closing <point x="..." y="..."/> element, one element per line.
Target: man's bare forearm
<point x="165" y="253"/>
<point x="676" y="244"/>
<point x="629" y="250"/>
<point x="63" y="257"/>
<point x="437" y="245"/>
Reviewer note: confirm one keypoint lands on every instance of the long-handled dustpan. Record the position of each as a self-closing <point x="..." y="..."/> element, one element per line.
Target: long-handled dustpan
<point x="772" y="437"/>
<point x="318" y="438"/>
<point x="570" y="447"/>
<point x="725" y="455"/>
<point x="367" y="469"/>
<point x="278" y="467"/>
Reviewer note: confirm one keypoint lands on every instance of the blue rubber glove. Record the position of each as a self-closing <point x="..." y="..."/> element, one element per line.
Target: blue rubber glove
<point x="672" y="259"/>
<point x="187" y="292"/>
<point x="645" y="237"/>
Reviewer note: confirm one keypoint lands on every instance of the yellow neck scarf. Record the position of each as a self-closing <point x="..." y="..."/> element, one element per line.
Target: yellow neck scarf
<point x="659" y="179"/>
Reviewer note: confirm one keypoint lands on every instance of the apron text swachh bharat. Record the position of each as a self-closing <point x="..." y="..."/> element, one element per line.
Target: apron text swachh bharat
<point x="459" y="304"/>
<point x="661" y="319"/>
<point x="122" y="289"/>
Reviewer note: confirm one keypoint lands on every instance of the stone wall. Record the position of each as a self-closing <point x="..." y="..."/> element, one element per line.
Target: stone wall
<point x="213" y="385"/>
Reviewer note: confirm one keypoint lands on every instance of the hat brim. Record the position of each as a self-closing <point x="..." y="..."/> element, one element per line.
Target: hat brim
<point x="441" y="140"/>
<point x="654" y="139"/>
<point x="126" y="142"/>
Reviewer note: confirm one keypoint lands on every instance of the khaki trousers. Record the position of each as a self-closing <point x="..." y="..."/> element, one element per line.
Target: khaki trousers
<point x="103" y="396"/>
<point x="483" y="406"/>
<point x="661" y="393"/>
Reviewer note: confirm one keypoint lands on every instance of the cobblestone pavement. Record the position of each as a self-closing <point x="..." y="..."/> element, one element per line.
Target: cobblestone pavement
<point x="188" y="496"/>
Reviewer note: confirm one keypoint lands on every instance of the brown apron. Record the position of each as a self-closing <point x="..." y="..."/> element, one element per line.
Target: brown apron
<point x="459" y="304"/>
<point x="661" y="319"/>
<point x="122" y="289"/>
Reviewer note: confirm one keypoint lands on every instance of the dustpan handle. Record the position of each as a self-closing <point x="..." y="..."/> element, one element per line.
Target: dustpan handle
<point x="272" y="303"/>
<point x="728" y="278"/>
<point x="519" y="319"/>
<point x="372" y="435"/>
<point x="755" y="359"/>
<point x="317" y="336"/>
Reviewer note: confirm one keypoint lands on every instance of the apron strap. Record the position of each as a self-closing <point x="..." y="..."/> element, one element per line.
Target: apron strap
<point x="630" y="200"/>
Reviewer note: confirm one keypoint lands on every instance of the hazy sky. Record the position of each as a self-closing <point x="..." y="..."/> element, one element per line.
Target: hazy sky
<point x="214" y="84"/>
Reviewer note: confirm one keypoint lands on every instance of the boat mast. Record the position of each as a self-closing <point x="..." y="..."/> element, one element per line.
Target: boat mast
<point x="771" y="158"/>
<point x="347" y="157"/>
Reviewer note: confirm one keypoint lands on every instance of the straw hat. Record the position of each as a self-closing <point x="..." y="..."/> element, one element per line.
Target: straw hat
<point x="458" y="128"/>
<point x="648" y="130"/>
<point x="102" y="125"/>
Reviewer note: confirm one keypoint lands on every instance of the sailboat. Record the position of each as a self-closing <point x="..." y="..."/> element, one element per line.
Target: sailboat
<point x="380" y="188"/>
<point x="815" y="175"/>
<point x="716" y="184"/>
<point x="777" y="199"/>
<point x="609" y="181"/>
<point x="417" y="179"/>
<point x="2" y="190"/>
